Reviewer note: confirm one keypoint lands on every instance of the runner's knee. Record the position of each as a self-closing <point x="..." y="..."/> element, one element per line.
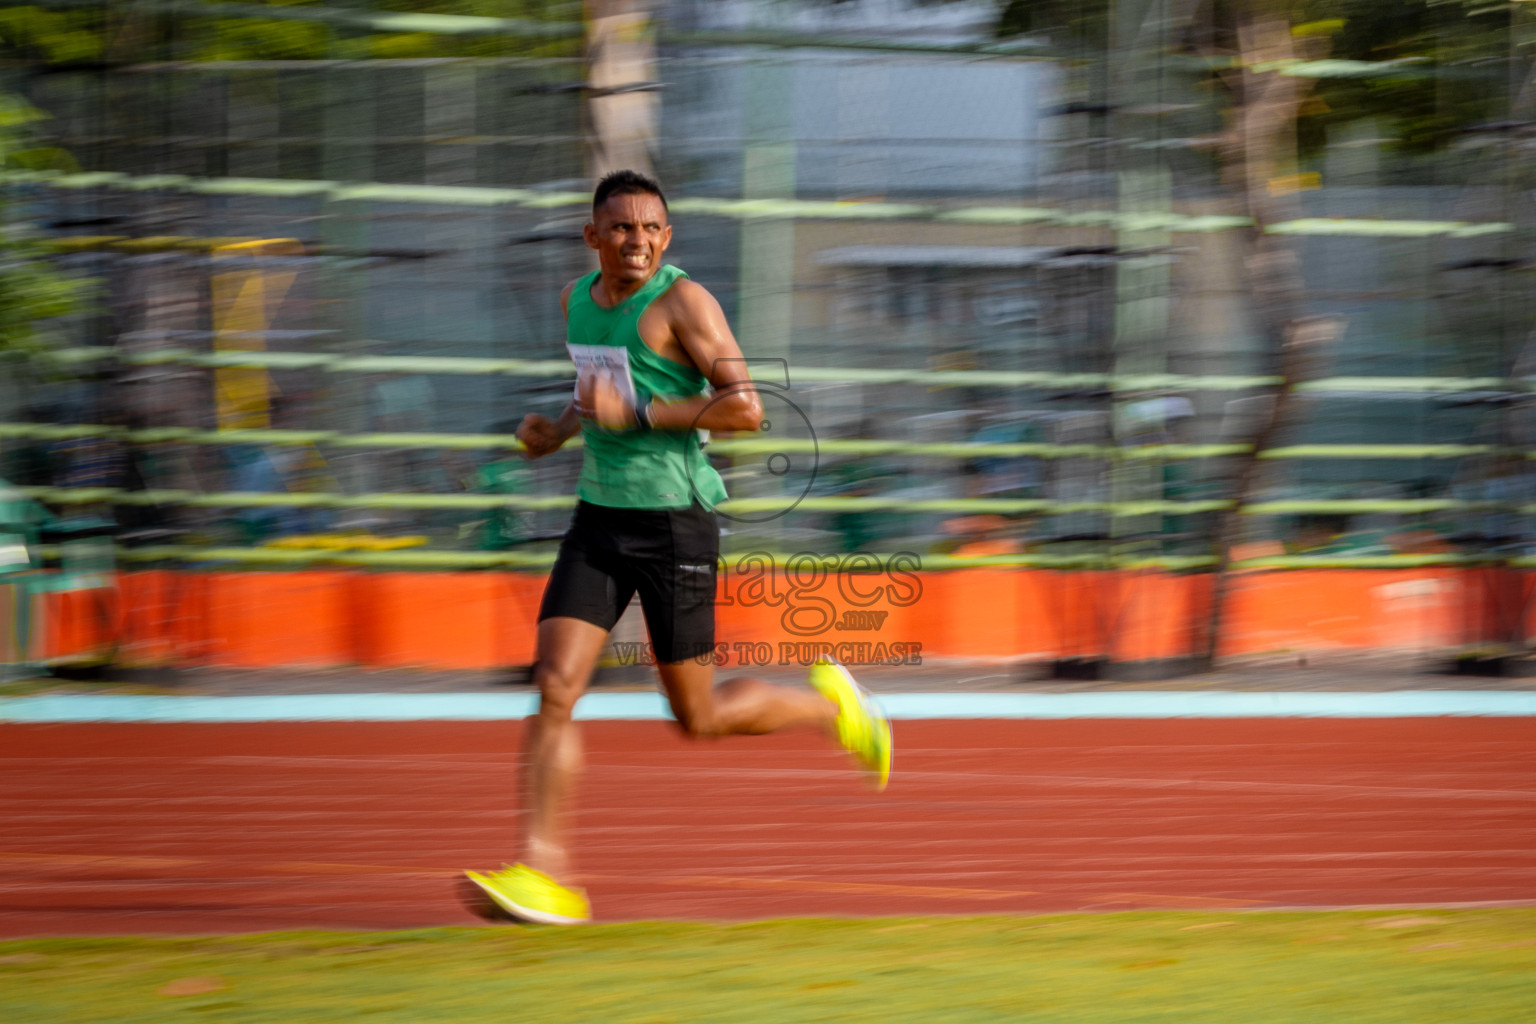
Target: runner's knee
<point x="558" y="690"/>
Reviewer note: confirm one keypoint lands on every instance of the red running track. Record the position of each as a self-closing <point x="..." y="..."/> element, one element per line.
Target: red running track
<point x="228" y="828"/>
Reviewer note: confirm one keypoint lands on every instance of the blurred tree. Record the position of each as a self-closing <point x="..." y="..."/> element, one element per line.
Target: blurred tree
<point x="125" y="33"/>
<point x="621" y="76"/>
<point x="1424" y="74"/>
<point x="1443" y="61"/>
<point x="34" y="295"/>
<point x="1452" y="56"/>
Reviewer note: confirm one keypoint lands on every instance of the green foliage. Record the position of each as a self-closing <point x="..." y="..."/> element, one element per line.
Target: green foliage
<point x="63" y="36"/>
<point x="259" y="39"/>
<point x="250" y="39"/>
<point x="34" y="295"/>
<point x="1455" y="70"/>
<point x="123" y="32"/>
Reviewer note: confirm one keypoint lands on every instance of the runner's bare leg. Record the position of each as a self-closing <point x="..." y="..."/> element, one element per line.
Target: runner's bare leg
<point x="743" y="705"/>
<point x="568" y="650"/>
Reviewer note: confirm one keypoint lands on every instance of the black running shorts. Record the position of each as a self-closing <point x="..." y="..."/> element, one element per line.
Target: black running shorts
<point x="667" y="556"/>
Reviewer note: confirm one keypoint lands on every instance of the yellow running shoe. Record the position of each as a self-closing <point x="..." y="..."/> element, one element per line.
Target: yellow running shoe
<point x="533" y="896"/>
<point x="862" y="727"/>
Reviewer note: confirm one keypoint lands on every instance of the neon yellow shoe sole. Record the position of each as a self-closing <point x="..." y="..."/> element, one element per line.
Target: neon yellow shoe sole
<point x="862" y="727"/>
<point x="533" y="896"/>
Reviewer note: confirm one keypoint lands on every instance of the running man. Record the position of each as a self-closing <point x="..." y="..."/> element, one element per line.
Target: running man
<point x="646" y="341"/>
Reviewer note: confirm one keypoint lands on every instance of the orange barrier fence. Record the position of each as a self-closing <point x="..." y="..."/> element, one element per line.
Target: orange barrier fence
<point x="470" y="620"/>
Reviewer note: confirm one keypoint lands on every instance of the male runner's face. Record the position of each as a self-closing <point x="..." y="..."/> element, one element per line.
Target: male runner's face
<point x="629" y="232"/>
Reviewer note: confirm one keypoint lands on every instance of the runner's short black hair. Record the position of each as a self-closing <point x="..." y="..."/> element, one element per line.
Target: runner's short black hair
<point x="627" y="183"/>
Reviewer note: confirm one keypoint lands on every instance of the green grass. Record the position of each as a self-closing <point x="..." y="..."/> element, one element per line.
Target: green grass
<point x="1422" y="967"/>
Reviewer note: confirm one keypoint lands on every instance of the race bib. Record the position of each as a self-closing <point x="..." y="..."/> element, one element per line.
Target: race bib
<point x="609" y="360"/>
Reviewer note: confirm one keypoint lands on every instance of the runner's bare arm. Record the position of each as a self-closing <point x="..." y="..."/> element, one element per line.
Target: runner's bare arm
<point x="698" y="323"/>
<point x="541" y="435"/>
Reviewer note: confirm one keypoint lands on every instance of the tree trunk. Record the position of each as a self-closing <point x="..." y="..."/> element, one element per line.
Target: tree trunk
<point x="622" y="108"/>
<point x="1261" y="162"/>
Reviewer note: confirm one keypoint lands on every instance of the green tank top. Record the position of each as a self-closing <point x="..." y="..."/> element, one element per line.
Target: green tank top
<point x="645" y="469"/>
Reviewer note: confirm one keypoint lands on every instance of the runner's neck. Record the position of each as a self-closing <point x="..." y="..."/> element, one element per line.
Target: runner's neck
<point x="605" y="297"/>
